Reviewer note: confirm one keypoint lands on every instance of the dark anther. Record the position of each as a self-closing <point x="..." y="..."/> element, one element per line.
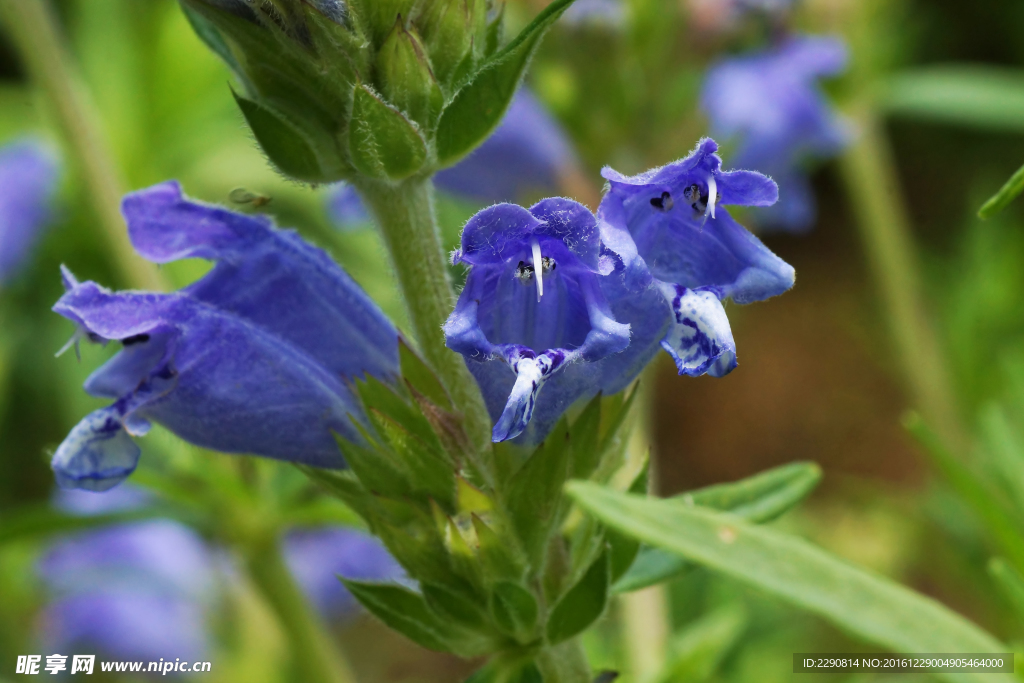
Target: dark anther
<point x="664" y="202"/>
<point x="524" y="272"/>
<point x="548" y="264"/>
<point x="697" y="199"/>
<point x="135" y="339"/>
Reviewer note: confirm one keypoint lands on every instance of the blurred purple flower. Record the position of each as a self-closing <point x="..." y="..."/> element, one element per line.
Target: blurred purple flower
<point x="527" y="153"/>
<point x="533" y="301"/>
<point x="28" y="181"/>
<point x="317" y="557"/>
<point x="136" y="591"/>
<point x="611" y="13"/>
<point x="680" y="255"/>
<point x="252" y="358"/>
<point x="771" y="105"/>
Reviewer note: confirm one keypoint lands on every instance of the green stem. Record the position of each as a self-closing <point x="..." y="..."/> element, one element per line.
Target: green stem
<point x="869" y="174"/>
<point x="35" y="32"/>
<point x="565" y="663"/>
<point x="405" y="214"/>
<point x="315" y="657"/>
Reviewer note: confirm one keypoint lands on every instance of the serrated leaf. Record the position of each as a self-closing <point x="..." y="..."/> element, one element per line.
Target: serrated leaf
<point x="534" y="493"/>
<point x="282" y="142"/>
<point x="383" y="143"/>
<point x="869" y="606"/>
<point x="582" y="604"/>
<point x="477" y="109"/>
<point x="1006" y="194"/>
<point x="406" y="612"/>
<point x="514" y="610"/>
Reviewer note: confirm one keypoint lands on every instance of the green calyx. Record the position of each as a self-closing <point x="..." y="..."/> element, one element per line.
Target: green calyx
<point x="382" y="89"/>
<point x="503" y="568"/>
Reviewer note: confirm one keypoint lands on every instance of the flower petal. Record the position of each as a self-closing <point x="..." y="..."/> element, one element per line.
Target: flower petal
<point x="97" y="455"/>
<point x="222" y="382"/>
<point x="494" y="233"/>
<point x="700" y="339"/>
<point x="270" y="277"/>
<point x="531" y="374"/>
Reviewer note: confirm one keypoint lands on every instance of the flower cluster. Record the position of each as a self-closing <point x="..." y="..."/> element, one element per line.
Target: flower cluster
<point x="554" y="289"/>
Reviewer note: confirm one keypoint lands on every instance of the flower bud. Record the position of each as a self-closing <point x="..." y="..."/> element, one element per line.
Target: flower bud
<point x="451" y="29"/>
<point x="404" y="77"/>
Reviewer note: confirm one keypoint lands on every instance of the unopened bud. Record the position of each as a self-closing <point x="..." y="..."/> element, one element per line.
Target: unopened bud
<point x="405" y="78"/>
<point x="451" y="29"/>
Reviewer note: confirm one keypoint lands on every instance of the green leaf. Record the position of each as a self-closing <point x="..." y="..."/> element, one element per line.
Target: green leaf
<point x="1000" y="520"/>
<point x="535" y="492"/>
<point x="1006" y="451"/>
<point x="499" y="559"/>
<point x="1006" y="194"/>
<point x="420" y="377"/>
<point x="282" y="142"/>
<point x="651" y="566"/>
<point x="582" y="604"/>
<point x="760" y="498"/>
<point x="208" y="33"/>
<point x="623" y="549"/>
<point x="453" y="604"/>
<point x="478" y="107"/>
<point x="381" y="141"/>
<point x="986" y="97"/>
<point x="514" y="610"/>
<point x="404" y="611"/>
<point x="1010" y="583"/>
<point x="697" y="650"/>
<point x="868" y="606"/>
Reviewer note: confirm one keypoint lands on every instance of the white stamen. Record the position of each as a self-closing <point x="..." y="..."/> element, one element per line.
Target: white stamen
<point x="538" y="268"/>
<point x="79" y="333"/>
<point x="712" y="196"/>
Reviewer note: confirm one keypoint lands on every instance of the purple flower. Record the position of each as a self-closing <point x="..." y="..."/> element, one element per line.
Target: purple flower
<point x="677" y="246"/>
<point x="346" y="208"/>
<point x="255" y="357"/>
<point x="533" y="301"/>
<point x="134" y="591"/>
<point x="770" y="103"/>
<point x="317" y="557"/>
<point x="28" y="180"/>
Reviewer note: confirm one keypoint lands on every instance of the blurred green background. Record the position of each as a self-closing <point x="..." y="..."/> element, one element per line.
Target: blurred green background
<point x="819" y="379"/>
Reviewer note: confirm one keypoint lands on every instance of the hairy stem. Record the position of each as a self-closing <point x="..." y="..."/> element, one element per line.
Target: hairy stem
<point x="314" y="656"/>
<point x="405" y="214"/>
<point x="35" y="32"/>
<point x="869" y="174"/>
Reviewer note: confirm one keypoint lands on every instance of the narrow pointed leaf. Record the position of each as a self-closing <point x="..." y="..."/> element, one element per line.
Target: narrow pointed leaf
<point x="421" y="378"/>
<point x="1006" y="194"/>
<point x="696" y="651"/>
<point x="760" y="498"/>
<point x="282" y="142"/>
<point x="871" y="607"/>
<point x="1010" y="583"/>
<point x="535" y="492"/>
<point x="404" y="611"/>
<point x="581" y="605"/>
<point x="381" y="141"/>
<point x="478" y="107"/>
<point x="514" y="610"/>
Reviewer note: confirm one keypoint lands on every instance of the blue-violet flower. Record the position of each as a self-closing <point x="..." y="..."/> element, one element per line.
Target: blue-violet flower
<point x="255" y="357"/>
<point x="771" y="105"/>
<point x="533" y="300"/>
<point x="28" y="180"/>
<point x="673" y="237"/>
